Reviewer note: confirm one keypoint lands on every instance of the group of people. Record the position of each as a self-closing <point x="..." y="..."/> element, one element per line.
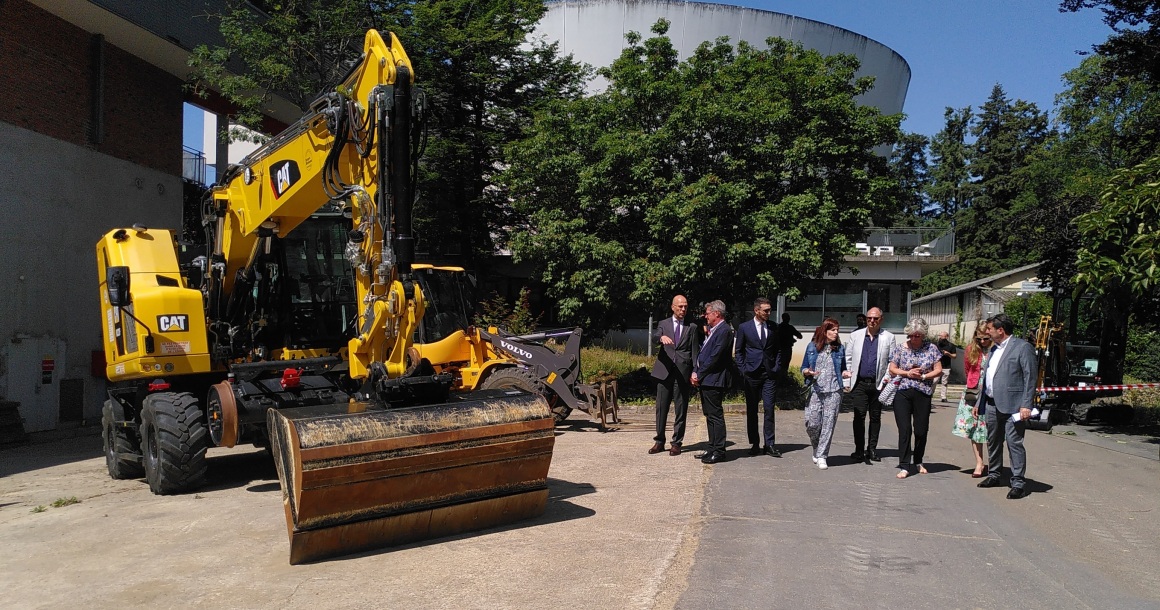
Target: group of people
<point x="872" y="366"/>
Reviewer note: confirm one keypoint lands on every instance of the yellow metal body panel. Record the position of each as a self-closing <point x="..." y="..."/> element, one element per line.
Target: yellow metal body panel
<point x="465" y="355"/>
<point x="172" y="314"/>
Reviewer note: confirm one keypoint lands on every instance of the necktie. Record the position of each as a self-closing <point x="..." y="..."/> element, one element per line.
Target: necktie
<point x="676" y="332"/>
<point x="761" y="332"/>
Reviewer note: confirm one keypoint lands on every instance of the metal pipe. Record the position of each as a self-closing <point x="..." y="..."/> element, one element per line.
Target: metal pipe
<point x="404" y="242"/>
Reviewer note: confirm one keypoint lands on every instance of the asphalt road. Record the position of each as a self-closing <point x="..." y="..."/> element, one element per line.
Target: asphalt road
<point x="780" y="533"/>
<point x="622" y="530"/>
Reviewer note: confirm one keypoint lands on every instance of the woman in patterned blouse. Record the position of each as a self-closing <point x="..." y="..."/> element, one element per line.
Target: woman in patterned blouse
<point x="917" y="363"/>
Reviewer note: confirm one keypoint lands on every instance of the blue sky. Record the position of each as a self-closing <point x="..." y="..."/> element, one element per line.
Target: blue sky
<point x="958" y="50"/>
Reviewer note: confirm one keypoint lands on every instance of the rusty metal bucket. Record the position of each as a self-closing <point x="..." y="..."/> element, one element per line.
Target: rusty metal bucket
<point x="360" y="476"/>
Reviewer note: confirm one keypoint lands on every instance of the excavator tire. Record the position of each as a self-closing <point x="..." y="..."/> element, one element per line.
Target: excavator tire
<point x="119" y="444"/>
<point x="174" y="439"/>
<point x="523" y="379"/>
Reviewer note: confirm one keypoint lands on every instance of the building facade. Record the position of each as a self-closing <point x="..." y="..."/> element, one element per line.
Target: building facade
<point x="91" y="109"/>
<point x="959" y="310"/>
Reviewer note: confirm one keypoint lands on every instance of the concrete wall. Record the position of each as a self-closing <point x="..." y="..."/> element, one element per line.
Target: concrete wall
<point x="593" y="30"/>
<point x="56" y="200"/>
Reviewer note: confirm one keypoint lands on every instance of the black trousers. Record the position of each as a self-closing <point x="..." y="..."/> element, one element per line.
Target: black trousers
<point x="759" y="388"/>
<point x="864" y="399"/>
<point x="711" y="399"/>
<point x="911" y="403"/>
<point x="674" y="390"/>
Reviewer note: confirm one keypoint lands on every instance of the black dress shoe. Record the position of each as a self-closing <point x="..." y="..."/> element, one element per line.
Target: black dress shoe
<point x="858" y="456"/>
<point x="989" y="482"/>
<point x="713" y="458"/>
<point x="772" y="451"/>
<point x="700" y="455"/>
<point x="1016" y="493"/>
<point x="755" y="450"/>
<point x="872" y="454"/>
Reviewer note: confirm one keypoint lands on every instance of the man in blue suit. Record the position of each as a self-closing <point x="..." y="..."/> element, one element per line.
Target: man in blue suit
<point x="711" y="376"/>
<point x="757" y="359"/>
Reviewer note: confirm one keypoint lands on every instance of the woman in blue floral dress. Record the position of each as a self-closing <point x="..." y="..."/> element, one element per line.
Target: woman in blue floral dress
<point x="917" y="363"/>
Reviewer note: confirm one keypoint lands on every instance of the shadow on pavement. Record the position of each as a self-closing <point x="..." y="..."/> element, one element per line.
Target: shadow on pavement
<point x="933" y="467"/>
<point x="240" y="469"/>
<point x="785" y="448"/>
<point x="26" y="458"/>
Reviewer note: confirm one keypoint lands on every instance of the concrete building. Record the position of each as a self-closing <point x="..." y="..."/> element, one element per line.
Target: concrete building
<point x="91" y="108"/>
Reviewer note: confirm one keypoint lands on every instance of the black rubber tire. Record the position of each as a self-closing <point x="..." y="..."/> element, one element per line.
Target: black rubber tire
<point x="174" y="439"/>
<point x="523" y="379"/>
<point x="119" y="440"/>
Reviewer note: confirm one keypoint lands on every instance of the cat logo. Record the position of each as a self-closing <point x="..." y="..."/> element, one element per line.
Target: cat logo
<point x="283" y="175"/>
<point x="173" y="323"/>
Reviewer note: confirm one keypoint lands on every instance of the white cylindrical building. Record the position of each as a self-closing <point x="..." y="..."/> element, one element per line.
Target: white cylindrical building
<point x="593" y="32"/>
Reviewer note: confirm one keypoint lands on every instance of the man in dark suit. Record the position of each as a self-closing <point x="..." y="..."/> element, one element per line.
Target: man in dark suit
<point x="1006" y="396"/>
<point x="672" y="370"/>
<point x="757" y="358"/>
<point x="711" y="375"/>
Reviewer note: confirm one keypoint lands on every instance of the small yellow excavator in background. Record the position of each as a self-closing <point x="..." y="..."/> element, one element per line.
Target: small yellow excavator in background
<point x="296" y="329"/>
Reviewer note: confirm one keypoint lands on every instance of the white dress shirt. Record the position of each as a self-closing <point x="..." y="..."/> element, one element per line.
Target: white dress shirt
<point x="676" y="330"/>
<point x="994" y="360"/>
<point x="761" y="331"/>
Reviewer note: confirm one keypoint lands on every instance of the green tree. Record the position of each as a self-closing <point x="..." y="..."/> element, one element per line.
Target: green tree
<point x="1105" y="122"/>
<point x="1120" y="240"/>
<point x="1132" y="50"/>
<point x="473" y="58"/>
<point x="950" y="188"/>
<point x="737" y="172"/>
<point x="295" y="49"/>
<point x="909" y="167"/>
<point x="515" y="318"/>
<point x="1007" y="134"/>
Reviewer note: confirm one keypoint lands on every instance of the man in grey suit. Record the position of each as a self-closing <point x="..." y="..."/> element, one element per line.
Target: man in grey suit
<point x="672" y="370"/>
<point x="1005" y="400"/>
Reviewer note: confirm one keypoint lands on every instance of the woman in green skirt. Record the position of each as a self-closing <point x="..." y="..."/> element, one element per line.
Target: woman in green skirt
<point x="966" y="425"/>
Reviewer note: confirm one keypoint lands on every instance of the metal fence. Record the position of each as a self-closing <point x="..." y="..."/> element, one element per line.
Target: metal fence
<point x="908" y="241"/>
<point x="192" y="165"/>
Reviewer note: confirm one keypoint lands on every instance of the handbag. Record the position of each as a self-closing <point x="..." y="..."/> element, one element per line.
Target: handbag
<point x="889" y="390"/>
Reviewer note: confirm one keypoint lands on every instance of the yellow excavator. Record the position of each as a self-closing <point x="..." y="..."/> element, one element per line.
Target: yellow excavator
<point x="295" y="331"/>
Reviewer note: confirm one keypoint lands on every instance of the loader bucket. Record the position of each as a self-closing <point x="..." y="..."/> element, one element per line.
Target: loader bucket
<point x="361" y="476"/>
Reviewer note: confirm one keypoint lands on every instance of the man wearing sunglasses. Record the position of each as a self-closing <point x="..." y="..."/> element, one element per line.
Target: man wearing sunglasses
<point x="867" y="358"/>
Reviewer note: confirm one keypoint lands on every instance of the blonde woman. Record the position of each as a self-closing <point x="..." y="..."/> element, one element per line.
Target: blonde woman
<point x="967" y="425"/>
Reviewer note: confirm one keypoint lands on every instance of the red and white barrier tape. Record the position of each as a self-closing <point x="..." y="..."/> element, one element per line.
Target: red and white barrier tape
<point x="1093" y="388"/>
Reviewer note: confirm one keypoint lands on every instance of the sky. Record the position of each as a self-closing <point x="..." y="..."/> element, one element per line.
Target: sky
<point x="958" y="50"/>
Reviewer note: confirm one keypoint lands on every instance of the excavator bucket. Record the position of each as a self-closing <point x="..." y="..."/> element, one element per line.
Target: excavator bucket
<point x="361" y="476"/>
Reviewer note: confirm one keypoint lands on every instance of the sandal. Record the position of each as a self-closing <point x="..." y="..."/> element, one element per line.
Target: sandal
<point x="902" y="473"/>
<point x="921" y="469"/>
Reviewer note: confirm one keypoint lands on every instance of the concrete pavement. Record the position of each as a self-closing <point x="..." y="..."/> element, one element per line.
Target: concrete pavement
<point x="622" y="530"/>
